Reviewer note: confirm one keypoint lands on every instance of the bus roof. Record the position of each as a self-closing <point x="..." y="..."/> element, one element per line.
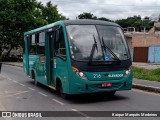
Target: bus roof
<point x="89" y="22"/>
<point x="72" y="22"/>
<point x="43" y="28"/>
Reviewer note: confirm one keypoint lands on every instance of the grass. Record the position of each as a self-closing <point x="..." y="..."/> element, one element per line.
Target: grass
<point x="152" y="75"/>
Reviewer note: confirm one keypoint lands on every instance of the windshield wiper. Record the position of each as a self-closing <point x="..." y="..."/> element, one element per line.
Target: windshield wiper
<point x="94" y="46"/>
<point x="104" y="46"/>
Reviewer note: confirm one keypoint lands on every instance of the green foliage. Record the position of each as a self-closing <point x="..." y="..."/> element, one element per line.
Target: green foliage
<point x="105" y="19"/>
<point x="136" y="22"/>
<point x="147" y="23"/>
<point x="86" y="15"/>
<point x="18" y="16"/>
<point x="140" y="73"/>
<point x="50" y="13"/>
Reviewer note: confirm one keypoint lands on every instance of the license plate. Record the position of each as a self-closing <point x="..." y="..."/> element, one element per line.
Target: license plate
<point x="108" y="84"/>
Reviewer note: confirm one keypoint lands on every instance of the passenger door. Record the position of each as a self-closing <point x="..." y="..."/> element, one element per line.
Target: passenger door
<point x="51" y="55"/>
<point x="60" y="59"/>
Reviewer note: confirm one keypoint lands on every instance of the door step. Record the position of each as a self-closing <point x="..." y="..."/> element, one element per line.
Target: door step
<point x="52" y="87"/>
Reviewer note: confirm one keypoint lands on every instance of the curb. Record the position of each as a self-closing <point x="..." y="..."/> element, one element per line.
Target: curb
<point x="148" y="88"/>
<point x="12" y="64"/>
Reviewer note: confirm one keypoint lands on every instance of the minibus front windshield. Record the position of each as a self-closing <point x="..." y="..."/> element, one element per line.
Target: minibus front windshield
<point x="82" y="39"/>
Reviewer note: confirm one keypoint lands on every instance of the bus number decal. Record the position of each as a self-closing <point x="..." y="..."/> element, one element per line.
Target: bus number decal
<point x="96" y="76"/>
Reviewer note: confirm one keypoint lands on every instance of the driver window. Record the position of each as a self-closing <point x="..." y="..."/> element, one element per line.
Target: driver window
<point x="60" y="43"/>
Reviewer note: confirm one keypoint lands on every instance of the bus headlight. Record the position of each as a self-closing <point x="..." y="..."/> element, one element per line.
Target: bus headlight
<point x="79" y="73"/>
<point x="127" y="72"/>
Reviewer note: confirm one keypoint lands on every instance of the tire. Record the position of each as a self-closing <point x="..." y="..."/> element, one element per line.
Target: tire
<point x="36" y="82"/>
<point x="62" y="94"/>
<point x="34" y="78"/>
<point x="111" y="93"/>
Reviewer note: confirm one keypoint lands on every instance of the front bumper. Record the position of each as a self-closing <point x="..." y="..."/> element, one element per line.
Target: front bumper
<point x="95" y="86"/>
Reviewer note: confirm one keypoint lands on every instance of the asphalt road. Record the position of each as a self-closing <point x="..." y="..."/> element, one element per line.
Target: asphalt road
<point x="18" y="93"/>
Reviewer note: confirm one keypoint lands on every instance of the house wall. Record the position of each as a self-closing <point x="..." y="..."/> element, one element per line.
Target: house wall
<point x="145" y="40"/>
<point x="141" y="40"/>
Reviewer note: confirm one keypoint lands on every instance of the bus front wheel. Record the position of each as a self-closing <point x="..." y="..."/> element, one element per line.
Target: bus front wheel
<point x="111" y="93"/>
<point x="62" y="94"/>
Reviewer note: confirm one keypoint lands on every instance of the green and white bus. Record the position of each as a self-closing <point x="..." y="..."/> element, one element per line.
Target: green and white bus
<point x="78" y="57"/>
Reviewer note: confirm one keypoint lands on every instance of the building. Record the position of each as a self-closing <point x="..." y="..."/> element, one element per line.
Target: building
<point x="145" y="46"/>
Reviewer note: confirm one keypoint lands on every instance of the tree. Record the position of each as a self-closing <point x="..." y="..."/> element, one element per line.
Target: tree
<point x="104" y="19"/>
<point x="147" y="24"/>
<point x="18" y="16"/>
<point x="50" y="13"/>
<point x="86" y="15"/>
<point x="136" y="22"/>
<point x="122" y="22"/>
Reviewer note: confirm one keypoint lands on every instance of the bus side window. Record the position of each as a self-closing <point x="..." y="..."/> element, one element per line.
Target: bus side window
<point x="32" y="45"/>
<point x="41" y="46"/>
<point x="60" y="49"/>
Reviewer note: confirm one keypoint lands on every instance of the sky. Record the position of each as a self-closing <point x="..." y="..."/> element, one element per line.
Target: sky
<point x="111" y="9"/>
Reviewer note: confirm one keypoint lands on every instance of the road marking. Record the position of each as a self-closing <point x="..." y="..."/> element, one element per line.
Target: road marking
<point x="74" y="109"/>
<point x="15" y="81"/>
<point x="42" y="94"/>
<point x="31" y="88"/>
<point x="9" y="79"/>
<point x="2" y="108"/>
<point x="3" y="76"/>
<point x="81" y="113"/>
<point x="16" y="94"/>
<point x="13" y="66"/>
<point x="147" y="92"/>
<point x="58" y="101"/>
<point x="22" y="84"/>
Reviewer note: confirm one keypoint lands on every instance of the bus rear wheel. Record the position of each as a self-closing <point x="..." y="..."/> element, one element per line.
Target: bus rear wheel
<point x="34" y="78"/>
<point x="36" y="82"/>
